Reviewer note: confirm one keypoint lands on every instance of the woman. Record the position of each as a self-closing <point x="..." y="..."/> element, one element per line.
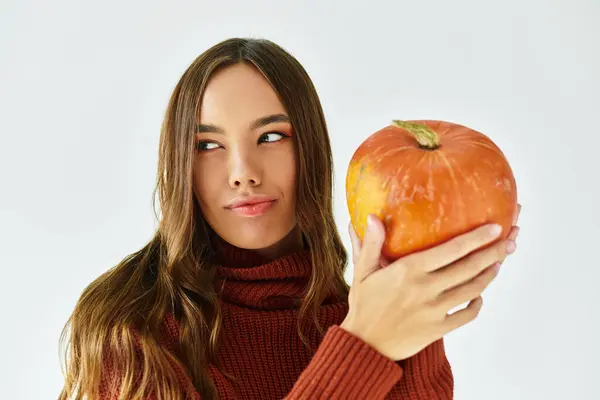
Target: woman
<point x="240" y="294"/>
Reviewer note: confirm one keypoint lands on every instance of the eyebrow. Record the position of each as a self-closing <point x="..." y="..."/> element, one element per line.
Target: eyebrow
<point x="258" y="123"/>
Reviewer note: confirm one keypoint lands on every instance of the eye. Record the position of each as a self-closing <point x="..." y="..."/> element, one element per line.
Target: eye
<point x="205" y="145"/>
<point x="271" y="137"/>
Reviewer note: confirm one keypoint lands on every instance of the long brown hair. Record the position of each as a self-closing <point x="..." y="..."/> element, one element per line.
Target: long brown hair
<point x="119" y="315"/>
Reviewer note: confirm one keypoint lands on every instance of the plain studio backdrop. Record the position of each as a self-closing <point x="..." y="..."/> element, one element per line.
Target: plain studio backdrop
<point x="83" y="88"/>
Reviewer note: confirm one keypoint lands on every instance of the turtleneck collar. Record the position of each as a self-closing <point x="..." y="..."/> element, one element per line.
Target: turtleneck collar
<point x="247" y="279"/>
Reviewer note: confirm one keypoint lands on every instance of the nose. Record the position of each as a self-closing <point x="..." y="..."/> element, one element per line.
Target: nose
<point x="245" y="171"/>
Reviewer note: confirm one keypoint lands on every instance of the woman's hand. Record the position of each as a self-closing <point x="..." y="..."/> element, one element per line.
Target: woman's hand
<point x="402" y="308"/>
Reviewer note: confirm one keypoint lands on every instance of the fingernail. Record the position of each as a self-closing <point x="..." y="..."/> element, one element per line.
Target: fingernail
<point x="497" y="266"/>
<point x="511" y="246"/>
<point x="383" y="261"/>
<point x="517" y="233"/>
<point x="495" y="230"/>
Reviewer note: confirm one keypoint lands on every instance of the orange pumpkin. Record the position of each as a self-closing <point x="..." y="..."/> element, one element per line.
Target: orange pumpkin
<point x="428" y="181"/>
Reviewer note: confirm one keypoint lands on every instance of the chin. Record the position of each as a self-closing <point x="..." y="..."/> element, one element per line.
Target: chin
<point x="253" y="237"/>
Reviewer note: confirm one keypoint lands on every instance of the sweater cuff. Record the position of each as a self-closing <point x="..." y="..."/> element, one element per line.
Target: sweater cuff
<point x="346" y="367"/>
<point x="428" y="374"/>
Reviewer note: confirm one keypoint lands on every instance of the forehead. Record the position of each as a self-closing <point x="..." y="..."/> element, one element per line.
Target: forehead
<point x="236" y="95"/>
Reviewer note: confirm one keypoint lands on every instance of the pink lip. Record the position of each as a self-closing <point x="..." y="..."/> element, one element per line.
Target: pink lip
<point x="251" y="205"/>
<point x="253" y="209"/>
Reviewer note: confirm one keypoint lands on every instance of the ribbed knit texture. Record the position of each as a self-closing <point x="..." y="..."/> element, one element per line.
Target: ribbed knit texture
<point x="261" y="347"/>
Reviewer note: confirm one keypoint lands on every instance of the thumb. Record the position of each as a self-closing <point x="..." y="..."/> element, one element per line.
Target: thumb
<point x="368" y="260"/>
<point x="355" y="242"/>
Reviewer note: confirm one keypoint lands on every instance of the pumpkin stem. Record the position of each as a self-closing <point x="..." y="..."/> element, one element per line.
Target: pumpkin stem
<point x="426" y="137"/>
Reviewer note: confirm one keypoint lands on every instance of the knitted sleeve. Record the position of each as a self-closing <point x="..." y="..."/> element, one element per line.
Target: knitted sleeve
<point x="345" y="367"/>
<point x="427" y="375"/>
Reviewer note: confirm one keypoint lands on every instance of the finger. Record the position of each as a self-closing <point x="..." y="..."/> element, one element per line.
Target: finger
<point x="514" y="232"/>
<point x="464" y="316"/>
<point x="468" y="268"/>
<point x="512" y="236"/>
<point x="468" y="290"/>
<point x="370" y="253"/>
<point x="356" y="243"/>
<point x="516" y="215"/>
<point x="453" y="249"/>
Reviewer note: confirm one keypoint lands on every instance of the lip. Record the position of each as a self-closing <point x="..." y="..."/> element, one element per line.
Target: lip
<point x="251" y="206"/>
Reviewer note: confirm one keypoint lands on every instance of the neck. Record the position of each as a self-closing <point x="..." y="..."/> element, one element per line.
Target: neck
<point x="291" y="243"/>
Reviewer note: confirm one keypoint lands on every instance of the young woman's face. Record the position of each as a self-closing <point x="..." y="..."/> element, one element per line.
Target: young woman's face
<point x="245" y="154"/>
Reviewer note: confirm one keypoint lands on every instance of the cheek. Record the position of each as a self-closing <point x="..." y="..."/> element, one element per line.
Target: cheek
<point x="291" y="184"/>
<point x="283" y="170"/>
<point x="205" y="184"/>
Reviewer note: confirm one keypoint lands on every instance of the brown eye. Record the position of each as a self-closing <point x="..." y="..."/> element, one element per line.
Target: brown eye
<point x="270" y="137"/>
<point x="205" y="146"/>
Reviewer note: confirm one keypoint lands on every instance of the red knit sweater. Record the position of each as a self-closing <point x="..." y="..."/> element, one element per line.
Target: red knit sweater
<point x="262" y="349"/>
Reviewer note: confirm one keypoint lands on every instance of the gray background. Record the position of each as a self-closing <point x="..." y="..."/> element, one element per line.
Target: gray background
<point x="84" y="84"/>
